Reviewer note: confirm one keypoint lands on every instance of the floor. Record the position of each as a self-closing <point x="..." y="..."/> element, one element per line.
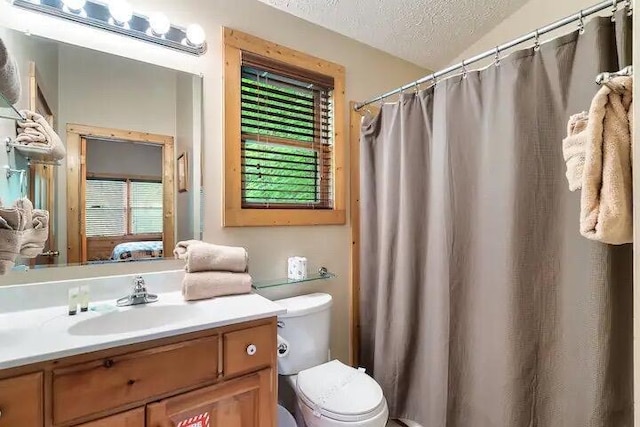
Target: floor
<point x="392" y="423"/>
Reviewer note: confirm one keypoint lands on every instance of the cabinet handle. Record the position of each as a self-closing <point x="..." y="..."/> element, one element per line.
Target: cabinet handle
<point x="252" y="349"/>
<point x="0" y="413"/>
<point x="108" y="363"/>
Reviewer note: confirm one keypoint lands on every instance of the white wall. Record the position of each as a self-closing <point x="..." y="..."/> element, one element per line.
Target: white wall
<point x="184" y="144"/>
<point x="534" y="14"/>
<point x="123" y="158"/>
<point x="369" y="72"/>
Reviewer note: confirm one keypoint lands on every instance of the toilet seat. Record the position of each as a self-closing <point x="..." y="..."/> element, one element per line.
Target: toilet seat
<point x="339" y="392"/>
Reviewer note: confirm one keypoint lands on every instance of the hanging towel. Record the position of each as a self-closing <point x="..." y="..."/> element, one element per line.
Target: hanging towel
<point x="12" y="224"/>
<point x="606" y="204"/>
<point x="37" y="140"/>
<point x="573" y="148"/>
<point x="211" y="284"/>
<point x="209" y="257"/>
<point x="35" y="236"/>
<point x="10" y="86"/>
<point x="180" y="251"/>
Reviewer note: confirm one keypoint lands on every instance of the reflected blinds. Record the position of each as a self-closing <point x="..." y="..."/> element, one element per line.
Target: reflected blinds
<point x="117" y="207"/>
<point x="287" y="136"/>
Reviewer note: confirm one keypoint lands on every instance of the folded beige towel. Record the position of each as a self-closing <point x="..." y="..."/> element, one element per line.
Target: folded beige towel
<point x="209" y="257"/>
<point x="10" y="86"/>
<point x="573" y="148"/>
<point x="180" y="251"/>
<point x="606" y="203"/>
<point x="210" y="284"/>
<point x="35" y="237"/>
<point x="12" y="224"/>
<point x="37" y="140"/>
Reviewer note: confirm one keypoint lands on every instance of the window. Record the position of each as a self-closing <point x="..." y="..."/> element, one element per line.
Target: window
<point x="119" y="207"/>
<point x="283" y="137"/>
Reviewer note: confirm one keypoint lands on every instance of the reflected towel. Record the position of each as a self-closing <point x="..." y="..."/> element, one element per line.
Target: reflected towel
<point x="573" y="148"/>
<point x="12" y="224"/>
<point x="34" y="238"/>
<point x="10" y="86"/>
<point x="209" y="257"/>
<point x="205" y="285"/>
<point x="606" y="203"/>
<point x="37" y="140"/>
<point x="180" y="251"/>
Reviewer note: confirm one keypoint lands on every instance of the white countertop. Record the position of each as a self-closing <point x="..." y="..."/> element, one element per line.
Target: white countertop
<point x="42" y="334"/>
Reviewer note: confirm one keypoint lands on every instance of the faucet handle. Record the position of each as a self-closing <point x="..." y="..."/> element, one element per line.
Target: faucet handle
<point x="139" y="285"/>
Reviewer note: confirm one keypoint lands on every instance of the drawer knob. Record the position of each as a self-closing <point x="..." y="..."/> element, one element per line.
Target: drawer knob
<point x="108" y="363"/>
<point x="252" y="349"/>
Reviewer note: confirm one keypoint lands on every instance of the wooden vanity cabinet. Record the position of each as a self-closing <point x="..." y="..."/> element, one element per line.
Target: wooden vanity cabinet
<point x="227" y="375"/>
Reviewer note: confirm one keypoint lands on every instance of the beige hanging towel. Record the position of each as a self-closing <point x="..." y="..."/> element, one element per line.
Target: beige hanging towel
<point x="573" y="148"/>
<point x="606" y="213"/>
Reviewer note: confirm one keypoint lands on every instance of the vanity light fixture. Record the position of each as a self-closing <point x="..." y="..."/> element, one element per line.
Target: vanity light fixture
<point x="118" y="16"/>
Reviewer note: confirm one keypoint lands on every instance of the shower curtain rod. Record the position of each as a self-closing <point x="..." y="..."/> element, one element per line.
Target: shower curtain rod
<point x="496" y="51"/>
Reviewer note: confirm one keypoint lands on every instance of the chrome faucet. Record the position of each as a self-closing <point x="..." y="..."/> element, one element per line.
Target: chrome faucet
<point x="138" y="296"/>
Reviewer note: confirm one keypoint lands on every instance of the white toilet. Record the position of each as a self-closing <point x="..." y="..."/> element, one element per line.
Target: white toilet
<point x="329" y="393"/>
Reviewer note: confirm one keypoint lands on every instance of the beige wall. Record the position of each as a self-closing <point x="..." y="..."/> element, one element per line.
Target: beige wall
<point x="534" y="14"/>
<point x="369" y="72"/>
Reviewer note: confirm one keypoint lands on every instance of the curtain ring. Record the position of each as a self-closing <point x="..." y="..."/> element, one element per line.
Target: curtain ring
<point x="497" y="57"/>
<point x="628" y="5"/>
<point x="536" y="46"/>
<point x="614" y="10"/>
<point x="434" y="78"/>
<point x="416" y="86"/>
<point x="464" y="69"/>
<point x="581" y="23"/>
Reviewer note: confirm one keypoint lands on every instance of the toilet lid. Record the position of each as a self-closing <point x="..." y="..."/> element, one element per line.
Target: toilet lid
<point x="340" y="392"/>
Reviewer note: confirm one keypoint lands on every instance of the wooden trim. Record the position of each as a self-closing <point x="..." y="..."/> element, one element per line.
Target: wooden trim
<point x="76" y="181"/>
<point x="83" y="198"/>
<point x="355" y="120"/>
<point x="234" y="43"/>
<point x="101" y="175"/>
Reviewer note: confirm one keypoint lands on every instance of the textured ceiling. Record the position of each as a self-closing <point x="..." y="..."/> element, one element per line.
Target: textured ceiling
<point x="430" y="33"/>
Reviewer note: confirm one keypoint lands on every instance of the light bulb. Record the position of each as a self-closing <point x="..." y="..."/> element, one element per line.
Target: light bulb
<point x="159" y="23"/>
<point x="195" y="35"/>
<point x="121" y="11"/>
<point x="74" y="5"/>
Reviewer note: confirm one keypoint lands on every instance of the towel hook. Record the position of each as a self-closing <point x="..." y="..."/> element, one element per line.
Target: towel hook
<point x="536" y="46"/>
<point x="464" y="69"/>
<point x="614" y="10"/>
<point x="581" y="23"/>
<point x="497" y="57"/>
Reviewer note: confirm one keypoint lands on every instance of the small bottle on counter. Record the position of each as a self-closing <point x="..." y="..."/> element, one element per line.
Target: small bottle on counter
<point x="73" y="301"/>
<point x="84" y="298"/>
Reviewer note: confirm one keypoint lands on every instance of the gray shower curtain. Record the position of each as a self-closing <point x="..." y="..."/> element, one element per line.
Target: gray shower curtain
<point x="481" y="304"/>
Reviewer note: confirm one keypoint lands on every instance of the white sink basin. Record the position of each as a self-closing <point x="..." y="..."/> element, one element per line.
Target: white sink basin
<point x="135" y="318"/>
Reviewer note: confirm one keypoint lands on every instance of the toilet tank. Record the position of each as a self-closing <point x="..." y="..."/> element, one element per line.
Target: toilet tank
<point x="304" y="329"/>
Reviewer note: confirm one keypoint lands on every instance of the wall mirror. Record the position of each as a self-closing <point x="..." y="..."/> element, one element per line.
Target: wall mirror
<point x="120" y="194"/>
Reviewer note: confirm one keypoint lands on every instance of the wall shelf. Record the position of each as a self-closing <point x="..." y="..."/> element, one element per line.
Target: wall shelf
<point x="322" y="274"/>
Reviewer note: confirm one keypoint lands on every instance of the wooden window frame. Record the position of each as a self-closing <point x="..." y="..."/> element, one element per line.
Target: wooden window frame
<point x="77" y="135"/>
<point x="234" y="44"/>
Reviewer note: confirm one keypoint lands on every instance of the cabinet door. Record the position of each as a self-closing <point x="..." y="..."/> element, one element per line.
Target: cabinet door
<point x="249" y="401"/>
<point x="21" y="401"/>
<point x="134" y="418"/>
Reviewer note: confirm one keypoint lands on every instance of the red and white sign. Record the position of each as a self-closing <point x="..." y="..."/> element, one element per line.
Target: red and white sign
<point x="201" y="420"/>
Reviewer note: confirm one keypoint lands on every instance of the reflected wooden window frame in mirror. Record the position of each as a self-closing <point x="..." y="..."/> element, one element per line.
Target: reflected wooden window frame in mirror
<point x="77" y="240"/>
<point x="282" y="166"/>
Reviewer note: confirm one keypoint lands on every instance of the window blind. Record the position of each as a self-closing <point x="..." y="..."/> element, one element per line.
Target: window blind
<point x="287" y="136"/>
<point x="106" y="208"/>
<point x="117" y="207"/>
<point x="145" y="202"/>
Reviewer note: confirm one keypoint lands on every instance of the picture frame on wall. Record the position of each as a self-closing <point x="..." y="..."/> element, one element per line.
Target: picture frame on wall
<point x="183" y="173"/>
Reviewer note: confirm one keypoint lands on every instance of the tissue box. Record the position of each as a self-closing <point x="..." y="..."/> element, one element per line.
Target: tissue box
<point x="297" y="268"/>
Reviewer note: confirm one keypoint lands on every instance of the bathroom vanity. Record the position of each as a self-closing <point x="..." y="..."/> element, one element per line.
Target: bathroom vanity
<point x="133" y="367"/>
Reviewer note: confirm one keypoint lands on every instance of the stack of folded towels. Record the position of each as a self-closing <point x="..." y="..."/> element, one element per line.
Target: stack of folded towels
<point x="23" y="232"/>
<point x="213" y="270"/>
<point x="37" y="140"/>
